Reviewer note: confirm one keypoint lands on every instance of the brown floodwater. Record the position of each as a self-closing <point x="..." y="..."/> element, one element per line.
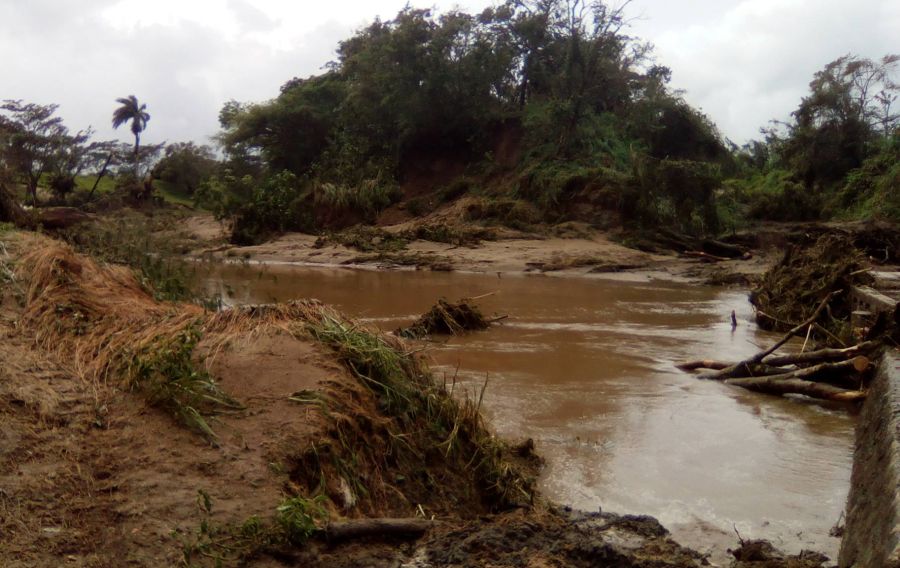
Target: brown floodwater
<point x="585" y="367"/>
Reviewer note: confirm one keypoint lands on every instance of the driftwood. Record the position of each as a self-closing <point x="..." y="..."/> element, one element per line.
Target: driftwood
<point x="774" y="361"/>
<point x="732" y="371"/>
<point x="710" y="249"/>
<point x="394" y="528"/>
<point x="823" y="355"/>
<point x="780" y="386"/>
<point x="827" y="374"/>
<point x="704" y="257"/>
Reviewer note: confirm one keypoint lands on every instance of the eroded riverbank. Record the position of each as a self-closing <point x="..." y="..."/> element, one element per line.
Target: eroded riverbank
<point x="585" y="367"/>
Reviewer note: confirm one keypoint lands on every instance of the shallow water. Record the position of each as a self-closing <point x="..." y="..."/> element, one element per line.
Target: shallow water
<point x="584" y="366"/>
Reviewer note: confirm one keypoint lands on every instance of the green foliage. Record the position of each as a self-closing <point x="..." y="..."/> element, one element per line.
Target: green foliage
<point x="166" y="372"/>
<point x="775" y="195"/>
<point x="36" y="147"/>
<point x="427" y="87"/>
<point x="172" y="194"/>
<point x="294" y="522"/>
<point x="299" y="518"/>
<point x="185" y="166"/>
<point x="279" y="202"/>
<point x="683" y="192"/>
<point x="873" y="190"/>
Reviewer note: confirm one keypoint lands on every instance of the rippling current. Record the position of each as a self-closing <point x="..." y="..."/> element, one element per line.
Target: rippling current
<point x="585" y="367"/>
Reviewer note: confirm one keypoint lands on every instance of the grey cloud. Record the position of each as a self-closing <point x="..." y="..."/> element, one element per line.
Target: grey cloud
<point x="250" y="17"/>
<point x="754" y="61"/>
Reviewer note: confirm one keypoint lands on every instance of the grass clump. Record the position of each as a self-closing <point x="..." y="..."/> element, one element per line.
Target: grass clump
<point x="299" y="518"/>
<point x="144" y="244"/>
<point x="102" y="321"/>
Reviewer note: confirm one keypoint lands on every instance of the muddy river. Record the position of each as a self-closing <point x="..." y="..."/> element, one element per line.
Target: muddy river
<point x="584" y="366"/>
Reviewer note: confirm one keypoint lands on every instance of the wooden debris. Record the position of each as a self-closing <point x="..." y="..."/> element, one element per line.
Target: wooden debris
<point x="827" y="374"/>
<point x="360" y="528"/>
<point x="449" y="318"/>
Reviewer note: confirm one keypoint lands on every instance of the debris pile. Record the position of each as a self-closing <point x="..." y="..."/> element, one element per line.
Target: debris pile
<point x="791" y="290"/>
<point x="827" y="374"/>
<point x="448" y="318"/>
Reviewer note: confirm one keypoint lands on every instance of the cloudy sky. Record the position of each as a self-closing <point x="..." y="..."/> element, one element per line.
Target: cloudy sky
<point x="742" y="61"/>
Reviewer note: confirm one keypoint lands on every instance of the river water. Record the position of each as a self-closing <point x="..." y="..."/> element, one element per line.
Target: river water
<point x="585" y="367"/>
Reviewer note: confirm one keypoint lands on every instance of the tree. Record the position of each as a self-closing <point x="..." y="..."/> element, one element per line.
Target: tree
<point x="30" y="138"/>
<point x="185" y="165"/>
<point x="839" y="124"/>
<point x="136" y="113"/>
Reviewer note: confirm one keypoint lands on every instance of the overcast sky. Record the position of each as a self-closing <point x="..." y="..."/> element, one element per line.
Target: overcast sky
<point x="743" y="62"/>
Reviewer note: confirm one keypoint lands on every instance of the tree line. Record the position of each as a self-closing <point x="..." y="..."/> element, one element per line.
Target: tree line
<point x="37" y="150"/>
<point x="548" y="109"/>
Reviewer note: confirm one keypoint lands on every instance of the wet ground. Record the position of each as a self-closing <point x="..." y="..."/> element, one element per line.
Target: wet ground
<point x="584" y="366"/>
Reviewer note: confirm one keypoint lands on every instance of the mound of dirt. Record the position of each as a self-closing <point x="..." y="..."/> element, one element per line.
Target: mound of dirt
<point x="291" y="402"/>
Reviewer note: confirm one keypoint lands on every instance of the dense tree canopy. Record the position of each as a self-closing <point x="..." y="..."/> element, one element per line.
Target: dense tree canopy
<point x="562" y="75"/>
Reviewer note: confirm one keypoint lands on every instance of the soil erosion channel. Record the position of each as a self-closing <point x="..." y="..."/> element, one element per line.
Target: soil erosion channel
<point x="584" y="366"/>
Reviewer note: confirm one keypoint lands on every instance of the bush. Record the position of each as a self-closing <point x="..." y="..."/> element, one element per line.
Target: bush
<point x="258" y="209"/>
<point x="874" y="189"/>
<point x="185" y="166"/>
<point x="774" y="196"/>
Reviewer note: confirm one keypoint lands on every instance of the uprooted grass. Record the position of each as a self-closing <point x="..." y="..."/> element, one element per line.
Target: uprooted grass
<point x="790" y="291"/>
<point x="105" y="324"/>
<point x="447" y="318"/>
<point x="145" y="243"/>
<point x="391" y="440"/>
<point x="432" y="445"/>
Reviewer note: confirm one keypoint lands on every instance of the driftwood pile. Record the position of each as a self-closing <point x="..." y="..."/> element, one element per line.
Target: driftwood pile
<point x="827" y="374"/>
<point x="448" y="318"/>
<point x="704" y="250"/>
<point x="792" y="289"/>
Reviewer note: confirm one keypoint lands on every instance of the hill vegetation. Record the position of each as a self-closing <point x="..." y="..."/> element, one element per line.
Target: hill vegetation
<point x="538" y="111"/>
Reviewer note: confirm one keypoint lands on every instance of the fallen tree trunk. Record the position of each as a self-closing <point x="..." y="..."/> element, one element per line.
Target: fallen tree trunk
<point x="827" y="374"/>
<point x="823" y="355"/>
<point x="703" y="256"/>
<point x="807" y="358"/>
<point x="704" y="364"/>
<point x="734" y="370"/>
<point x="781" y="386"/>
<point x="361" y="528"/>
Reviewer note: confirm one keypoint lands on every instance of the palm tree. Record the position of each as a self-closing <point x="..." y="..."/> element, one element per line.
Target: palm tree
<point x="132" y="110"/>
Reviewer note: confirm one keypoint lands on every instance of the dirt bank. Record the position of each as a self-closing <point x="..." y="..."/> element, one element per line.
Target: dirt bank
<point x="143" y="433"/>
<point x="571" y="250"/>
